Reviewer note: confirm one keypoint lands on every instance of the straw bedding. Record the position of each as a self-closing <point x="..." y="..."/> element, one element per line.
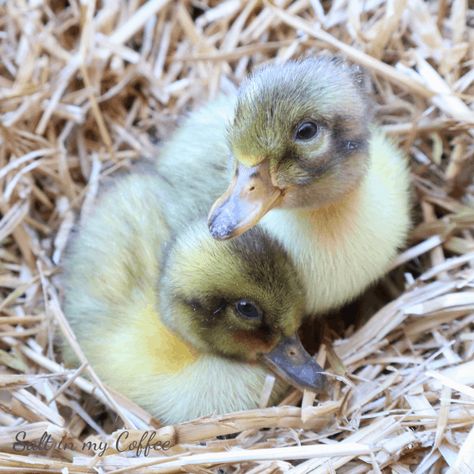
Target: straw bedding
<point x="86" y="88"/>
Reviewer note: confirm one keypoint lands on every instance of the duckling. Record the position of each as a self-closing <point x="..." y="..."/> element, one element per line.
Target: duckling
<point x="305" y="160"/>
<point x="309" y="165"/>
<point x="181" y="323"/>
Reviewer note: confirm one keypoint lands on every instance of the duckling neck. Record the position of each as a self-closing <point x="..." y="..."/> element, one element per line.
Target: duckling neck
<point x="168" y="349"/>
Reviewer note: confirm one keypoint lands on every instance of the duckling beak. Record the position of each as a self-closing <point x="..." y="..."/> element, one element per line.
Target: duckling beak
<point x="290" y="361"/>
<point x="250" y="196"/>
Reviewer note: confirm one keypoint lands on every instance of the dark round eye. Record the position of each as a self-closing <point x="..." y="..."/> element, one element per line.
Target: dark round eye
<point x="247" y="309"/>
<point x="306" y="131"/>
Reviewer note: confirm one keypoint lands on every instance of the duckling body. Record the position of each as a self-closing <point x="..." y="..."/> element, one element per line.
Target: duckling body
<point x="141" y="302"/>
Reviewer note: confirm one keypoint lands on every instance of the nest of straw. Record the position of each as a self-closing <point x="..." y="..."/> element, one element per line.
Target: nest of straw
<point x="86" y="88"/>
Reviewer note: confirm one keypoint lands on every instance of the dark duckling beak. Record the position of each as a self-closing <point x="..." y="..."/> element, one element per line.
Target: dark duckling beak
<point x="250" y="196"/>
<point x="290" y="361"/>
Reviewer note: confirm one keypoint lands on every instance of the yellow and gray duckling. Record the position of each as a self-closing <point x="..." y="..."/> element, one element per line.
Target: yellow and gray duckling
<point x="309" y="165"/>
<point x="181" y="323"/>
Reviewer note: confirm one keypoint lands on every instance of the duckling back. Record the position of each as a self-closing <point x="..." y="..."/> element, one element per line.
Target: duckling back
<point x="195" y="164"/>
<point x="114" y="257"/>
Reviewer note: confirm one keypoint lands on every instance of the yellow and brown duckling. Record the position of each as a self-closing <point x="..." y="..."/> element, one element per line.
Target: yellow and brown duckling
<point x="323" y="181"/>
<point x="305" y="160"/>
<point x="182" y="324"/>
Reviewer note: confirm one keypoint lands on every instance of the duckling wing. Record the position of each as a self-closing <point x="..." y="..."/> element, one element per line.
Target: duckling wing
<point x="112" y="268"/>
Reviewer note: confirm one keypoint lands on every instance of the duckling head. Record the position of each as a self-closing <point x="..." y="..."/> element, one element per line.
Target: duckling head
<point x="299" y="138"/>
<point x="240" y="299"/>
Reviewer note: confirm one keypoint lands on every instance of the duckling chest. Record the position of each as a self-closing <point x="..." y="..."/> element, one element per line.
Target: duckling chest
<point x="339" y="252"/>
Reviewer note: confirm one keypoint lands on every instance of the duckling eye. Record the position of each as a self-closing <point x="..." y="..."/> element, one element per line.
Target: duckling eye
<point x="306" y="131"/>
<point x="248" y="310"/>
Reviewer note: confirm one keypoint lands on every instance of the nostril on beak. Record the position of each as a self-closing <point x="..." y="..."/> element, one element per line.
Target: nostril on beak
<point x="252" y="188"/>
